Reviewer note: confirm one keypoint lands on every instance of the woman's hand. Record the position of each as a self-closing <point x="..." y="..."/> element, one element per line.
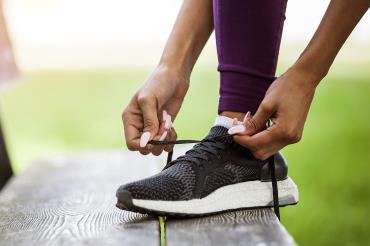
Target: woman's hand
<point x="168" y="84"/>
<point x="286" y="103"/>
<point x="288" y="99"/>
<point x="150" y="112"/>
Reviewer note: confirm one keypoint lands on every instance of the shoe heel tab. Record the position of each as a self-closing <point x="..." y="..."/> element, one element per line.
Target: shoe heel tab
<point x="281" y="168"/>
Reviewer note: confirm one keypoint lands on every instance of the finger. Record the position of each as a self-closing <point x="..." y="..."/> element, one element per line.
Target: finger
<point x="132" y="125"/>
<point x="172" y="135"/>
<point x="247" y="117"/>
<point x="168" y="123"/>
<point x="165" y="126"/>
<point x="132" y="136"/>
<point x="259" y="120"/>
<point x="240" y="129"/>
<point x="163" y="136"/>
<point x="158" y="149"/>
<point x="173" y="108"/>
<point x="164" y="115"/>
<point x="263" y="144"/>
<point x="148" y="106"/>
<point x="143" y="151"/>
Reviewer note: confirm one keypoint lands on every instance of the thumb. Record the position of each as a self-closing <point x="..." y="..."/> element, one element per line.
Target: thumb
<point x="148" y="106"/>
<point x="258" y="122"/>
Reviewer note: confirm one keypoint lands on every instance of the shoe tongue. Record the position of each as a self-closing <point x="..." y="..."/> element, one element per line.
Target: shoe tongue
<point x="217" y="131"/>
<point x="223" y="131"/>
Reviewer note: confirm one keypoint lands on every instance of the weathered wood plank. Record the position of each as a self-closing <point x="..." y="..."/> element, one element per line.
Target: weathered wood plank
<point x="244" y="227"/>
<point x="71" y="200"/>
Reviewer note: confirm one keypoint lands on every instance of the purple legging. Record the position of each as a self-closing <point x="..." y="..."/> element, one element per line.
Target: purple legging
<point x="248" y="34"/>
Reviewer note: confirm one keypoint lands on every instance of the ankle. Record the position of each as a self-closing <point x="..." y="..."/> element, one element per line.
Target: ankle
<point x="230" y="114"/>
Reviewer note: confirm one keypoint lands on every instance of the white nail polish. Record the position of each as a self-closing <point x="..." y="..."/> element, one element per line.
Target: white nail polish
<point x="163" y="137"/>
<point x="246" y="117"/>
<point x="171" y="125"/>
<point x="168" y="122"/>
<point x="236" y="129"/>
<point x="144" y="139"/>
<point x="164" y="115"/>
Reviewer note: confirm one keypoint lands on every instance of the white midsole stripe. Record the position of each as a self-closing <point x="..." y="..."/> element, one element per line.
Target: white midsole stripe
<point x="241" y="195"/>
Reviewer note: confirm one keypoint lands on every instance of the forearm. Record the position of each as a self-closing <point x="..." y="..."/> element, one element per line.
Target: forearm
<point x="338" y="22"/>
<point x="190" y="33"/>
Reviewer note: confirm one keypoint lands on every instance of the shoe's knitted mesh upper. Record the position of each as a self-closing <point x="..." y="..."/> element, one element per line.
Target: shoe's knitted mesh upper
<point x="181" y="180"/>
<point x="231" y="174"/>
<point x="174" y="183"/>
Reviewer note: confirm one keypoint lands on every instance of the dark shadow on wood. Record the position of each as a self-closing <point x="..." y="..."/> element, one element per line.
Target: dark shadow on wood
<point x="5" y="169"/>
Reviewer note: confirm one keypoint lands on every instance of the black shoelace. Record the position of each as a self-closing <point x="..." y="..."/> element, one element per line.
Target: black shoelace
<point x="213" y="141"/>
<point x="197" y="154"/>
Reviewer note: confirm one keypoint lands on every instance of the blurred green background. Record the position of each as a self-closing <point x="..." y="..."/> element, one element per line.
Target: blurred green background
<point x="55" y="112"/>
<point x="78" y="73"/>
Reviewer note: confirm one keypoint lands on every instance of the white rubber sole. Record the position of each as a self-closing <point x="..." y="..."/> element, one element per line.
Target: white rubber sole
<point x="242" y="195"/>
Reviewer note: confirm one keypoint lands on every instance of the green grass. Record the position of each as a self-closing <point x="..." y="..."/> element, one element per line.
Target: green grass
<point x="66" y="111"/>
<point x="162" y="230"/>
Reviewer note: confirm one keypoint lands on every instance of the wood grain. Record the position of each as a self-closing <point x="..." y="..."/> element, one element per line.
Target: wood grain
<point x="244" y="227"/>
<point x="71" y="200"/>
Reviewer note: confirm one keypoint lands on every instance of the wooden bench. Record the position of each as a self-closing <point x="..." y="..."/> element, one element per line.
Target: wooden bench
<point x="70" y="200"/>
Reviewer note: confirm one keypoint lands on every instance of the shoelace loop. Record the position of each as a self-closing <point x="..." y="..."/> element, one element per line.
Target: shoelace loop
<point x="197" y="154"/>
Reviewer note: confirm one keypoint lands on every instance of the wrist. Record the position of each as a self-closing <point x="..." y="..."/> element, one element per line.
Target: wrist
<point x="305" y="80"/>
<point x="178" y="66"/>
<point x="173" y="71"/>
<point x="314" y="64"/>
<point x="310" y="75"/>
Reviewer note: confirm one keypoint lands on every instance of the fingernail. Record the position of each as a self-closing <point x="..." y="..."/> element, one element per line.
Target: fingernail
<point x="236" y="129"/>
<point x="246" y="117"/>
<point x="163" y="137"/>
<point x="144" y="139"/>
<point x="164" y="115"/>
<point x="168" y="122"/>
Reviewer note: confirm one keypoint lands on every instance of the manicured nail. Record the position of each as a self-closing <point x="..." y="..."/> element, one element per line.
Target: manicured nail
<point x="164" y="115"/>
<point x="236" y="129"/>
<point x="163" y="137"/>
<point x="246" y="117"/>
<point x="144" y="139"/>
<point x="168" y="122"/>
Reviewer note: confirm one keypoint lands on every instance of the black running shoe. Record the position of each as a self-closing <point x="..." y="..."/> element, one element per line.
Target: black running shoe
<point x="216" y="175"/>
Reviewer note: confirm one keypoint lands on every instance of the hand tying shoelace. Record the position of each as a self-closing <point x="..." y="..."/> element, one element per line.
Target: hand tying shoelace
<point x="209" y="178"/>
<point x="194" y="158"/>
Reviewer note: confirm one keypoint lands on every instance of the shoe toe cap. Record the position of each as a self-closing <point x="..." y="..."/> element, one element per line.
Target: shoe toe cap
<point x="152" y="189"/>
<point x="124" y="198"/>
